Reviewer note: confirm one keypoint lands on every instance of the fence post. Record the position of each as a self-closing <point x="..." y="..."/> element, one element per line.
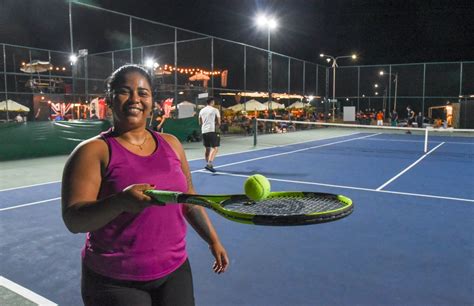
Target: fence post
<point x="254" y="124"/>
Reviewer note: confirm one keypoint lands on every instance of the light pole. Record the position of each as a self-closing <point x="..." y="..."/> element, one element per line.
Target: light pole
<point x="396" y="85"/>
<point x="334" y="65"/>
<point x="269" y="23"/>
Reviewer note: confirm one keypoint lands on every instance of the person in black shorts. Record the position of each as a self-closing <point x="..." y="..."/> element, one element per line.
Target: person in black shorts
<point x="411" y="117"/>
<point x="210" y="120"/>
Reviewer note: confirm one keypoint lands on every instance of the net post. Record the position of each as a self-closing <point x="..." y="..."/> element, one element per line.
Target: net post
<point x="254" y="124"/>
<point x="426" y="140"/>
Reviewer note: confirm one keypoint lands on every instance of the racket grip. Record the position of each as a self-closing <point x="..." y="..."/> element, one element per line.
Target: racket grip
<point x="163" y="196"/>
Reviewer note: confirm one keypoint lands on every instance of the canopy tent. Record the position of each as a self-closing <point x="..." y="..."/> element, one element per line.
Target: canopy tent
<point x="254" y="105"/>
<point x="298" y="104"/>
<point x="200" y="77"/>
<point x="186" y="109"/>
<point x="13" y="106"/>
<point x="273" y="105"/>
<point x="186" y="103"/>
<point x="237" y="107"/>
<point x="36" y="66"/>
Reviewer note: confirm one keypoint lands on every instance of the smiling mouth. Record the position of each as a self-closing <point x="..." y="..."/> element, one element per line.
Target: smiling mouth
<point x="133" y="110"/>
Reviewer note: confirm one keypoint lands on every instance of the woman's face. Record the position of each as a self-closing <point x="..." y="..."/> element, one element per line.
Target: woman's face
<point x="132" y="100"/>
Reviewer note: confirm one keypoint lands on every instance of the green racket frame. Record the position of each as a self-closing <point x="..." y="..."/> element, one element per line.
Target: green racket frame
<point x="233" y="207"/>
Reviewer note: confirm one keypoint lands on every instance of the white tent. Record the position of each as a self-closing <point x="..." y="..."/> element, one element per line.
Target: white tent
<point x="13" y="106"/>
<point x="237" y="107"/>
<point x="298" y="104"/>
<point x="186" y="103"/>
<point x="254" y="105"/>
<point x="186" y="109"/>
<point x="273" y="105"/>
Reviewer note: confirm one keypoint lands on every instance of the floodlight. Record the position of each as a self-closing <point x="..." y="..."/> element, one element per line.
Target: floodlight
<point x="272" y="24"/>
<point x="73" y="58"/>
<point x="261" y="20"/>
<point x="149" y="63"/>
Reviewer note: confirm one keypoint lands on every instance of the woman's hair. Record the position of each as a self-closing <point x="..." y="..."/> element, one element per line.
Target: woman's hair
<point x="118" y="76"/>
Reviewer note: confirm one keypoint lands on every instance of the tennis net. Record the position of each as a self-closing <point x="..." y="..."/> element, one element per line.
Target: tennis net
<point x="284" y="132"/>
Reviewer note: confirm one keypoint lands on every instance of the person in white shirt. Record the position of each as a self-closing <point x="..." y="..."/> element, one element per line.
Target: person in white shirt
<point x="210" y="119"/>
<point x="19" y="118"/>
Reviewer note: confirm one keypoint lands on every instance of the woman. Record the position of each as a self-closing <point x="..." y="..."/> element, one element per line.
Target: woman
<point x="135" y="252"/>
<point x="157" y="118"/>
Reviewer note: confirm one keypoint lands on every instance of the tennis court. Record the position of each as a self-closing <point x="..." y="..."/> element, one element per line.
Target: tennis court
<point x="409" y="240"/>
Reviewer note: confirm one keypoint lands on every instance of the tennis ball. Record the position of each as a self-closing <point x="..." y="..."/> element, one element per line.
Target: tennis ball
<point x="257" y="187"/>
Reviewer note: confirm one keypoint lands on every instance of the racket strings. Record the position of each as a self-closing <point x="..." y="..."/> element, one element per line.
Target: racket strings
<point x="286" y="205"/>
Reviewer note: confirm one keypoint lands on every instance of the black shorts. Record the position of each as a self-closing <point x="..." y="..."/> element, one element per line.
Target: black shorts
<point x="211" y="139"/>
<point x="410" y="122"/>
<point x="173" y="289"/>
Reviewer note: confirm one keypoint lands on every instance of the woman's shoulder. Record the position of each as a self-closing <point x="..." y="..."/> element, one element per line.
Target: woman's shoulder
<point x="170" y="139"/>
<point x="95" y="146"/>
<point x="173" y="142"/>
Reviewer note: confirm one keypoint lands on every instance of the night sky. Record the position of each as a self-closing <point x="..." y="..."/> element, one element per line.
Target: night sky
<point x="379" y="31"/>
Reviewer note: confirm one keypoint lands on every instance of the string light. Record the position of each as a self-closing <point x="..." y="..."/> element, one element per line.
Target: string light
<point x="190" y="71"/>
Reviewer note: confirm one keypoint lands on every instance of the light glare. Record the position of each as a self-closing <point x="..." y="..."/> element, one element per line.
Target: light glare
<point x="73" y="58"/>
<point x="149" y="63"/>
<point x="264" y="21"/>
<point x="272" y="24"/>
<point x="261" y="21"/>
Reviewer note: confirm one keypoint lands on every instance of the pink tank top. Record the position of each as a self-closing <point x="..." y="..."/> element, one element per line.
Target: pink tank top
<point x="143" y="246"/>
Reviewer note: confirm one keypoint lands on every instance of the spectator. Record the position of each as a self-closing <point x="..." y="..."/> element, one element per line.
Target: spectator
<point x="19" y="118"/>
<point x="419" y="120"/>
<point x="394" y="118"/>
<point x="380" y="118"/>
<point x="411" y="117"/>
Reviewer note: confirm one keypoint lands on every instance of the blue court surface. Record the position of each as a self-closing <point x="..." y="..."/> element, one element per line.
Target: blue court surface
<point x="409" y="240"/>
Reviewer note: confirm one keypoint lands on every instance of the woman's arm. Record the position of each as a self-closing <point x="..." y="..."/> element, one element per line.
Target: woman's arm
<point x="82" y="177"/>
<point x="197" y="216"/>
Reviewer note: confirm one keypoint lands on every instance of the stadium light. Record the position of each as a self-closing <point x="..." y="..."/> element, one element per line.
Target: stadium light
<point x="150" y="63"/>
<point x="73" y="59"/>
<point x="269" y="23"/>
<point x="395" y="75"/>
<point x="334" y="59"/>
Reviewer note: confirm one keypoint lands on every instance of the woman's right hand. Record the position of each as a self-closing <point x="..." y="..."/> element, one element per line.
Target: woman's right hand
<point x="133" y="200"/>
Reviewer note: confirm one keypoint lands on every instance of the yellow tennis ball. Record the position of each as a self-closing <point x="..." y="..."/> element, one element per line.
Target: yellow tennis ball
<point x="257" y="187"/>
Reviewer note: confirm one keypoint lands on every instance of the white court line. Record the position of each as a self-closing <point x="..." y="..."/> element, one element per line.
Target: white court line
<point x="26" y="293"/>
<point x="296" y="182"/>
<point x="280" y="146"/>
<point x="409" y="167"/>
<point x="351" y="187"/>
<point x="194" y="159"/>
<point x="27" y="186"/>
<point x="240" y="162"/>
<point x="290" y="152"/>
<point x="29" y="204"/>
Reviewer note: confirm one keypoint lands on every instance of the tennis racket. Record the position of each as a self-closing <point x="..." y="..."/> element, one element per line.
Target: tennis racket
<point x="279" y="208"/>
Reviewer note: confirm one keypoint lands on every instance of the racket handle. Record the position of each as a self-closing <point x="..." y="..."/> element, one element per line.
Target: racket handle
<point x="162" y="196"/>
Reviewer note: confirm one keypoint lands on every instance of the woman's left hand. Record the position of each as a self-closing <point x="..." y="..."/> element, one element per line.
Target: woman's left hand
<point x="220" y="254"/>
